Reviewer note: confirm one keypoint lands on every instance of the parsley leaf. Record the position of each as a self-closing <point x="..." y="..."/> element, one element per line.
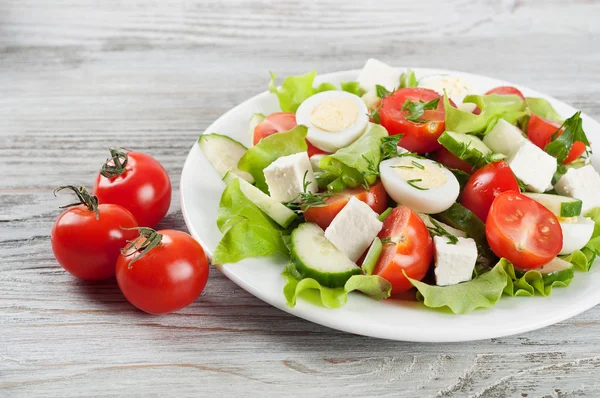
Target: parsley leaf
<point x="389" y="146"/>
<point x="561" y="144"/>
<point x="416" y="109"/>
<point x="381" y="91"/>
<point x="372" y="170"/>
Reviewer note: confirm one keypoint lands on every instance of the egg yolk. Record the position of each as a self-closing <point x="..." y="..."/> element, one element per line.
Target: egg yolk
<point x="334" y="115"/>
<point x="413" y="170"/>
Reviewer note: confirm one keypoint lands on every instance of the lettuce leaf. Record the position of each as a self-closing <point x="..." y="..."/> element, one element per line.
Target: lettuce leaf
<point x="534" y="282"/>
<point x="269" y="149"/>
<point x="542" y="107"/>
<point x="493" y="107"/>
<point x="358" y="162"/>
<point x="408" y="79"/>
<point x="373" y="286"/>
<point x="584" y="259"/>
<point x="295" y="89"/>
<point x="482" y="292"/>
<point x="247" y="231"/>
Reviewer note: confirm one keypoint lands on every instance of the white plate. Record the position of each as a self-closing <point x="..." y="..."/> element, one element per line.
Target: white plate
<point x="201" y="188"/>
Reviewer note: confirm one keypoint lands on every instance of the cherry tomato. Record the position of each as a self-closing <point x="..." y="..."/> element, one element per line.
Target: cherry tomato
<point x="485" y="184"/>
<point x="277" y="123"/>
<point x="522" y="231"/>
<point x="448" y="159"/>
<point x="418" y="137"/>
<point x="376" y="197"/>
<point x="162" y="271"/>
<point x="540" y="131"/>
<point x="506" y="90"/>
<point x="411" y="250"/>
<point x="87" y="244"/>
<point x="137" y="182"/>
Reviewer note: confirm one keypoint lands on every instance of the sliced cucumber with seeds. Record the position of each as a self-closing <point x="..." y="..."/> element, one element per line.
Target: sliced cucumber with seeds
<point x="468" y="148"/>
<point x="223" y="153"/>
<point x="272" y="208"/>
<point x="557" y="270"/>
<point x="561" y="206"/>
<point x="316" y="257"/>
<point x="255" y="120"/>
<point x="372" y="257"/>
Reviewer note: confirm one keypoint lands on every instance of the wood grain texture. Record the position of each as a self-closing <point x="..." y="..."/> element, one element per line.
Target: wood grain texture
<point x="78" y="76"/>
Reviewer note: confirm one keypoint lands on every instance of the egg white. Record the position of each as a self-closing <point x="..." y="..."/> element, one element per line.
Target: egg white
<point x="430" y="201"/>
<point x="327" y="140"/>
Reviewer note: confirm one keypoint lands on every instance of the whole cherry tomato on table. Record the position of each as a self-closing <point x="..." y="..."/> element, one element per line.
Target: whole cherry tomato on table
<point x="162" y="271"/>
<point x="87" y="238"/>
<point x="485" y="184"/>
<point x="136" y="181"/>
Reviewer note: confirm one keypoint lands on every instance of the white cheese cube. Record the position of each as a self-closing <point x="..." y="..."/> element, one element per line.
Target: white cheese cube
<point x="376" y="72"/>
<point x="353" y="229"/>
<point x="285" y="177"/>
<point x="533" y="166"/>
<point x="452" y="231"/>
<point x="457" y="88"/>
<point x="582" y="184"/>
<point x="504" y="138"/>
<point x="454" y="263"/>
<point x="467" y="107"/>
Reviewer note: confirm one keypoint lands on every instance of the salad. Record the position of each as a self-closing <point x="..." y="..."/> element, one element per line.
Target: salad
<point x="397" y="183"/>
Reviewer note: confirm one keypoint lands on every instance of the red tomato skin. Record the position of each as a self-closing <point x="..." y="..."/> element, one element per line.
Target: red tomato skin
<point x="448" y="159"/>
<point x="540" y="131"/>
<point x="419" y="138"/>
<point x="506" y="90"/>
<point x="485" y="184"/>
<point x="168" y="277"/>
<point x="87" y="247"/>
<point x="376" y="197"/>
<point x="144" y="189"/>
<point x="278" y="122"/>
<point x="514" y="214"/>
<point x="412" y="254"/>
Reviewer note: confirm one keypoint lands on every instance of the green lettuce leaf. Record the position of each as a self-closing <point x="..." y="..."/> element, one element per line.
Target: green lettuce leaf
<point x="408" y="79"/>
<point x="584" y="259"/>
<point x="325" y="87"/>
<point x="353" y="88"/>
<point x="372" y="285"/>
<point x="542" y="107"/>
<point x="534" y="282"/>
<point x="482" y="292"/>
<point x="269" y="149"/>
<point x="247" y="231"/>
<point x="493" y="107"/>
<point x="358" y="162"/>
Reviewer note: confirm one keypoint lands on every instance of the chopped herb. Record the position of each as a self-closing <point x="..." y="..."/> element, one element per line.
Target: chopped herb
<point x="412" y="184"/>
<point x="389" y="146"/>
<point x="381" y="91"/>
<point x="374" y="116"/>
<point x="372" y="170"/>
<point x="307" y="199"/>
<point x="561" y="144"/>
<point x="417" y="164"/>
<point x="387" y="241"/>
<point x="385" y="214"/>
<point x="402" y="167"/>
<point x="438" y="230"/>
<point x="416" y="109"/>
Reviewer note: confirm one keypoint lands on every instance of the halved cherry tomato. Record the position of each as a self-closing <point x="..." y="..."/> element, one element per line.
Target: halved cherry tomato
<point x="540" y="131"/>
<point x="376" y="197"/>
<point x="506" y="90"/>
<point x="418" y="137"/>
<point x="485" y="184"/>
<point x="411" y="250"/>
<point x="277" y="123"/>
<point x="522" y="231"/>
<point x="448" y="159"/>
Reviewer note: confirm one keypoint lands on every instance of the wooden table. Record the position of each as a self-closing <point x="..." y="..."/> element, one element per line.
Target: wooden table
<point x="79" y="76"/>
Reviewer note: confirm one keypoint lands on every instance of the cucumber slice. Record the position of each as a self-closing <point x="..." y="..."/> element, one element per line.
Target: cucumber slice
<point x="255" y="120"/>
<point x="272" y="208"/>
<point x="504" y="138"/>
<point x="561" y="206"/>
<point x="372" y="257"/>
<point x="467" y="147"/>
<point x="316" y="257"/>
<point x="557" y="270"/>
<point x="223" y="153"/>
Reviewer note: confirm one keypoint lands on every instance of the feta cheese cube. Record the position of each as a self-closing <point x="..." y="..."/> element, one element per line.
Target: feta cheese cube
<point x="504" y="138"/>
<point x="452" y="231"/>
<point x="454" y="263"/>
<point x="376" y="72"/>
<point x="353" y="229"/>
<point x="582" y="184"/>
<point x="533" y="166"/>
<point x="285" y="177"/>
